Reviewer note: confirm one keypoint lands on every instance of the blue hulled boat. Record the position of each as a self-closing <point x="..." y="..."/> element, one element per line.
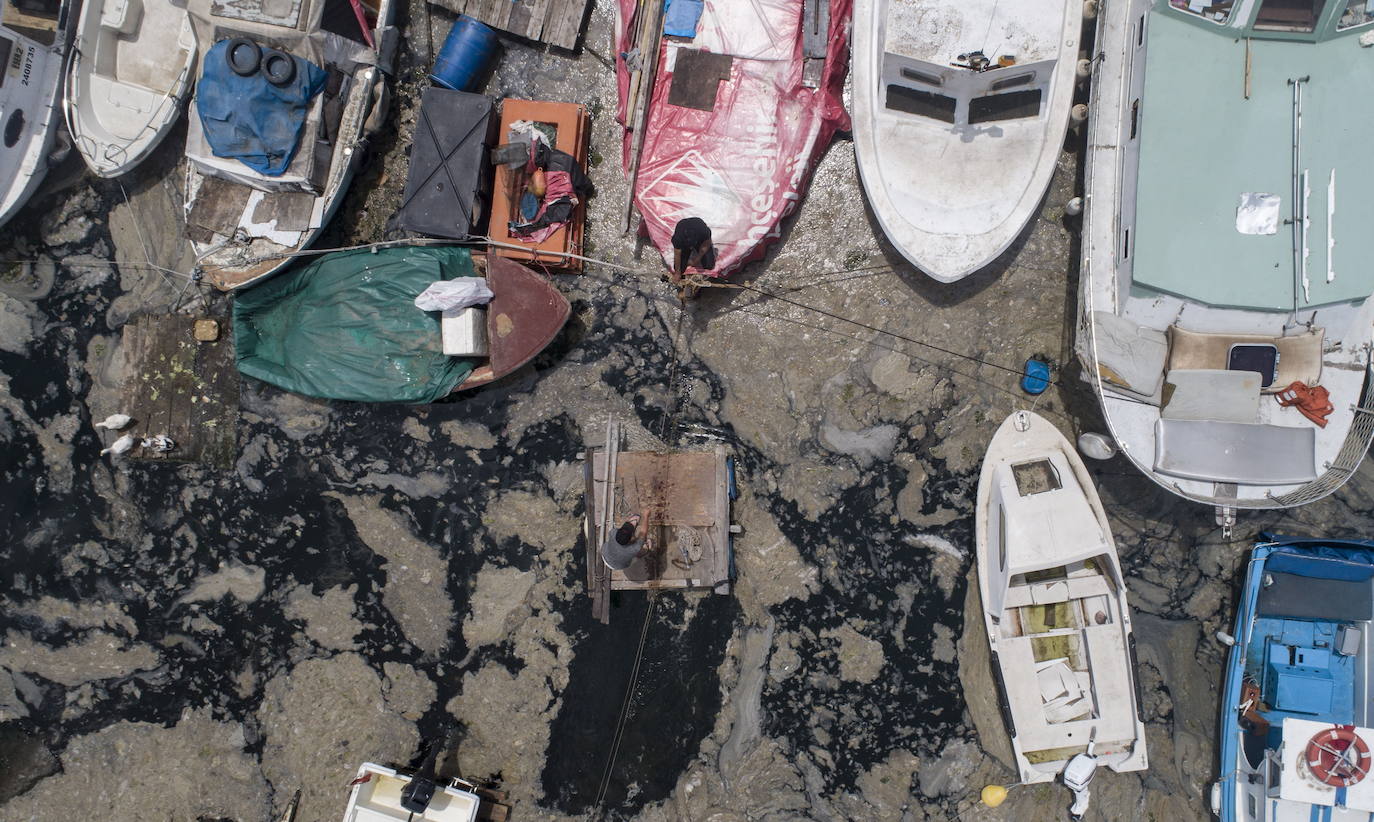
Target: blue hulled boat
<point x="1296" y="739"/>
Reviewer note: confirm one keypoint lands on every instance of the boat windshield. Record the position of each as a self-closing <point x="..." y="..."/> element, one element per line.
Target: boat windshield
<point x="1357" y="13"/>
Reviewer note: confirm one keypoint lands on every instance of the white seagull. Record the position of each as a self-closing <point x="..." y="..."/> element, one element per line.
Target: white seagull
<point x="120" y="445"/>
<point x="114" y="422"/>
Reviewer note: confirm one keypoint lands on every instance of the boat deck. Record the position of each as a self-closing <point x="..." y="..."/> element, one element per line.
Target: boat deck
<point x="938" y="31"/>
<point x="1203" y="144"/>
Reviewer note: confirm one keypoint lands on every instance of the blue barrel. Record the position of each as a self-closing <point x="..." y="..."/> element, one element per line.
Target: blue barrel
<point x="467" y="55"/>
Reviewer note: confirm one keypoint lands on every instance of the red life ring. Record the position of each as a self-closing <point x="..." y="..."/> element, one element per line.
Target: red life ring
<point x="1338" y="757"/>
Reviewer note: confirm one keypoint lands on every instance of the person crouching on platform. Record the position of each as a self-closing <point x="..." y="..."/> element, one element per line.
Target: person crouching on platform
<point x="692" y="247"/>
<point x="623" y="545"/>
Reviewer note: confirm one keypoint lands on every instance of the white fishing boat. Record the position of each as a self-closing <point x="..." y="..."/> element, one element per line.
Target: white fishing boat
<point x="128" y="76"/>
<point x="960" y="112"/>
<point x="381" y="794"/>
<point x="34" y="38"/>
<point x="1225" y="321"/>
<point x="1054" y="603"/>
<point x="246" y="222"/>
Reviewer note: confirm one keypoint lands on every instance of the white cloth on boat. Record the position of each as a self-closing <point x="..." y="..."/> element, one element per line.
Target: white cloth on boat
<point x="452" y="295"/>
<point x="1258" y="213"/>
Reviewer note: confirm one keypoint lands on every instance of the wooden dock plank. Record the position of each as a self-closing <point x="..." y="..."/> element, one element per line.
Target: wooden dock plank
<point x="556" y="22"/>
<point x="183" y="389"/>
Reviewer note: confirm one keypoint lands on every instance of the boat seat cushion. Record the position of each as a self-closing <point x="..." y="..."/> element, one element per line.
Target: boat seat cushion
<point x="120" y="15"/>
<point x="1299" y="360"/>
<point x="1243" y="453"/>
<point x="1130" y="356"/>
<point x="1211" y="394"/>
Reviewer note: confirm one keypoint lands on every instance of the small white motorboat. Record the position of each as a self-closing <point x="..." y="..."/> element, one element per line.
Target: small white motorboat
<point x="34" y="38"/>
<point x="381" y="794"/>
<point x="1054" y="603"/>
<point x="960" y="111"/>
<point x="129" y="74"/>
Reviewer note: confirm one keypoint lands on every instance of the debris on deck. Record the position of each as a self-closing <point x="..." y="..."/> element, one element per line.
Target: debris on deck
<point x="183" y="386"/>
<point x="684" y="498"/>
<point x="556" y="22"/>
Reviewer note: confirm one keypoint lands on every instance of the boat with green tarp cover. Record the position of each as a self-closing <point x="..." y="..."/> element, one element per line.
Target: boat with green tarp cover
<point x="345" y="325"/>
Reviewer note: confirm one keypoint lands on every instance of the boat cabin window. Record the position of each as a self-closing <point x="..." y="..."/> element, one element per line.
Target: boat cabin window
<point x="1216" y="10"/>
<point x="921" y="77"/>
<point x="1357" y="13"/>
<point x="1288" y="15"/>
<point x="1012" y="105"/>
<point x="1035" y="477"/>
<point x="6" y="45"/>
<point x="1013" y="82"/>
<point x="923" y="103"/>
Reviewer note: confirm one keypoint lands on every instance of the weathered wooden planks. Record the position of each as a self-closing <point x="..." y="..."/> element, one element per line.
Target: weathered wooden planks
<point x="684" y="499"/>
<point x="181" y="388"/>
<point x="556" y="22"/>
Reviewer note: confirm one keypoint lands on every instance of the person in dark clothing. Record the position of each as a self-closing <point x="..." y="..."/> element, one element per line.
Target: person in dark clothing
<point x="623" y="545"/>
<point x="692" y="246"/>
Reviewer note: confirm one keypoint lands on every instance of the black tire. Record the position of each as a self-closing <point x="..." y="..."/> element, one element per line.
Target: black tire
<point x="279" y="67"/>
<point x="243" y="56"/>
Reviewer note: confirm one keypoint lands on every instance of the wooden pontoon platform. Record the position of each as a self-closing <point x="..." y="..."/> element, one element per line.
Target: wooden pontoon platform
<point x="685" y="498"/>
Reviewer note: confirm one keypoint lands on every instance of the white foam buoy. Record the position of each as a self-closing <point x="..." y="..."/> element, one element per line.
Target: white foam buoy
<point x="1096" y="446"/>
<point x="1079" y="113"/>
<point x="1074" y="207"/>
<point x="114" y="422"/>
<point x="1089" y="9"/>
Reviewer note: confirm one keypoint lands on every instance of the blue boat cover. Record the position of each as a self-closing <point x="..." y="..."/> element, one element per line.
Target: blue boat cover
<point x="1324" y="559"/>
<point x="680" y="18"/>
<point x="248" y="118"/>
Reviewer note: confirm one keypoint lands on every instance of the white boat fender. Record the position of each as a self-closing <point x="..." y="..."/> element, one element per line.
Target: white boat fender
<point x="1096" y="446"/>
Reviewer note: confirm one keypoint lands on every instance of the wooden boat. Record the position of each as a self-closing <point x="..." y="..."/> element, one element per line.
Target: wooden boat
<point x="1297" y="725"/>
<point x="737" y="118"/>
<point x="572" y="133"/>
<point x="1215" y="282"/>
<point x="34" y="39"/>
<point x="379" y="793"/>
<point x="960" y="112"/>
<point x="523" y="317"/>
<point x="245" y="225"/>
<point x="1054" y="603"/>
<point x="345" y="325"/>
<point x="129" y="74"/>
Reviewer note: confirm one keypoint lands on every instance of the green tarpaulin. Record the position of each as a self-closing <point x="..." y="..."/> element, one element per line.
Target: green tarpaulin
<point x="345" y="326"/>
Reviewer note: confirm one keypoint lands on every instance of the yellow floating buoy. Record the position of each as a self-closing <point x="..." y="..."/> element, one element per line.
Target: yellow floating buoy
<point x="994" y="795"/>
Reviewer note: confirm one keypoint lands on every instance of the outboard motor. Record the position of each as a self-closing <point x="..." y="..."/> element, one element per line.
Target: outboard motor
<point x="416" y="795"/>
<point x="1078" y="774"/>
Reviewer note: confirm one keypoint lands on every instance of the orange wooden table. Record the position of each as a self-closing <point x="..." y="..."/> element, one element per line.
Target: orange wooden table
<point x="572" y="130"/>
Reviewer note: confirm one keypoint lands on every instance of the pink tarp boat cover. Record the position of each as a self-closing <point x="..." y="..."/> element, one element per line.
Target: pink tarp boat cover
<point x="743" y="166"/>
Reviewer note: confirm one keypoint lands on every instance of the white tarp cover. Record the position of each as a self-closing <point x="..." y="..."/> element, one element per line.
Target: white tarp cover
<point x="1258" y="213"/>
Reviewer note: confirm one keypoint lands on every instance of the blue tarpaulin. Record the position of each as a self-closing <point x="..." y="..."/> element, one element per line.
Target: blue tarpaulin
<point x="250" y="119"/>
<point x="680" y="18"/>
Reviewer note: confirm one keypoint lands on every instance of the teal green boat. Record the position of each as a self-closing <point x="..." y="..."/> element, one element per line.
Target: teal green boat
<point x="345" y="325"/>
<point x="1225" y="319"/>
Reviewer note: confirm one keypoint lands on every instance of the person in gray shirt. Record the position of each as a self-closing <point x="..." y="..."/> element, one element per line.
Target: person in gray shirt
<point x="623" y="544"/>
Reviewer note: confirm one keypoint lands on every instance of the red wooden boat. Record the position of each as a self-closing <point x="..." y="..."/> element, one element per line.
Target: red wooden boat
<point x="524" y="315"/>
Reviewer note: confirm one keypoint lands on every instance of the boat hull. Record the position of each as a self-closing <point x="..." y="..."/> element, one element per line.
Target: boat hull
<point x="952" y="197"/>
<point x="30" y="100"/>
<point x="1054" y="607"/>
<point x="119" y="115"/>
